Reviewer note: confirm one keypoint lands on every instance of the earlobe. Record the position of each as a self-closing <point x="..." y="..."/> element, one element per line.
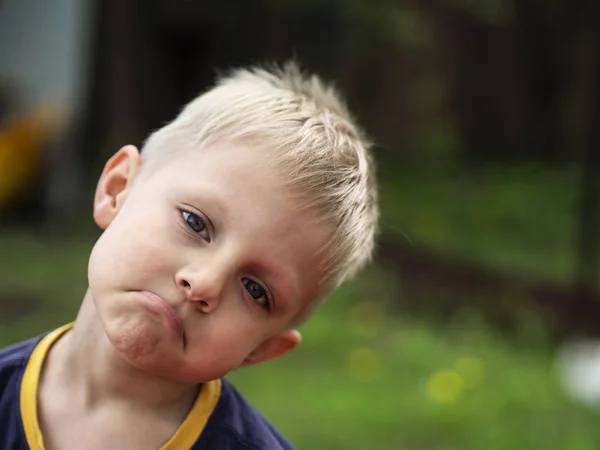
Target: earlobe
<point x="274" y="347"/>
<point x="114" y="183"/>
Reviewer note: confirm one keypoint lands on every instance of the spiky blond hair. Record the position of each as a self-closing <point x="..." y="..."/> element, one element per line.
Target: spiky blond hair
<point x="312" y="135"/>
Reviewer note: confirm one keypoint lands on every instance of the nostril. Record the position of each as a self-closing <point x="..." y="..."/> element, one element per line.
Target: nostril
<point x="186" y="284"/>
<point x="203" y="304"/>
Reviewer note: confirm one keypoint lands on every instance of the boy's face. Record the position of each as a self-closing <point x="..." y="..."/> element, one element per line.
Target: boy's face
<point x="204" y="261"/>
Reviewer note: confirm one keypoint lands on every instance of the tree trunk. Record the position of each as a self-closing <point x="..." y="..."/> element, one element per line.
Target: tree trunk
<point x="589" y="206"/>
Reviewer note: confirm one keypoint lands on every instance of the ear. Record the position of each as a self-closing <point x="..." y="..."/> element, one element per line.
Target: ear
<point x="114" y="184"/>
<point x="274" y="347"/>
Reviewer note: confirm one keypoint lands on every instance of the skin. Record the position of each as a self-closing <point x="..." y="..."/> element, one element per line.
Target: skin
<point x="202" y="266"/>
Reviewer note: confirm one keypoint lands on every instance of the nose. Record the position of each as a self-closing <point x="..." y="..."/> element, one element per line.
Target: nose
<point x="203" y="287"/>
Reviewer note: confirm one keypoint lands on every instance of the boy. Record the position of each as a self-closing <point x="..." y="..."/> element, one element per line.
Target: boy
<point x="219" y="238"/>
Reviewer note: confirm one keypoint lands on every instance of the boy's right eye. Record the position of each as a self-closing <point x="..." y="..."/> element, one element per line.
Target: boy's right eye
<point x="196" y="224"/>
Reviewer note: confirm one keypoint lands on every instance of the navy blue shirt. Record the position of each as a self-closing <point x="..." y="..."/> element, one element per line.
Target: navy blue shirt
<point x="220" y="419"/>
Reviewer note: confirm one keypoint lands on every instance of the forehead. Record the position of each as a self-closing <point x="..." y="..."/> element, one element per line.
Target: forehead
<point x="241" y="179"/>
<point x="246" y="197"/>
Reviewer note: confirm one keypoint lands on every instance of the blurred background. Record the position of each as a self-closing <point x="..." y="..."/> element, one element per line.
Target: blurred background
<point x="477" y="326"/>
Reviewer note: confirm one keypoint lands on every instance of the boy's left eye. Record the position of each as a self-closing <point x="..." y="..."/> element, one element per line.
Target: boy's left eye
<point x="256" y="291"/>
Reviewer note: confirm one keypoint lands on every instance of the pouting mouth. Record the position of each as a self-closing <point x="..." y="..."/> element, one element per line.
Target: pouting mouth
<point x="164" y="308"/>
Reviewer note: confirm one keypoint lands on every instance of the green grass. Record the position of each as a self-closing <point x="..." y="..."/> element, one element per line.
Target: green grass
<point x="519" y="220"/>
<point x="362" y="377"/>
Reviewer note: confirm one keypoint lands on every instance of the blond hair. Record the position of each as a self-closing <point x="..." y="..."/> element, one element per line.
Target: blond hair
<point x="312" y="134"/>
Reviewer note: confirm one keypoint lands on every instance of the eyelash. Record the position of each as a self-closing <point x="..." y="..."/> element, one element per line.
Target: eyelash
<point x="201" y="219"/>
<point x="268" y="302"/>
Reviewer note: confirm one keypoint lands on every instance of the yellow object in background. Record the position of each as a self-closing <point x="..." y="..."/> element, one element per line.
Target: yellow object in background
<point x="22" y="141"/>
<point x="364" y="364"/>
<point x="445" y="386"/>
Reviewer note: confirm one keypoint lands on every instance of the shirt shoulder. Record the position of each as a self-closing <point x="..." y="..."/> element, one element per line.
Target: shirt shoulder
<point x="13" y="361"/>
<point x="14" y="358"/>
<point x="237" y="425"/>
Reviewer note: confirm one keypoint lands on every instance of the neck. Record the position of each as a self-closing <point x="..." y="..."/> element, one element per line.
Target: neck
<point x="87" y="362"/>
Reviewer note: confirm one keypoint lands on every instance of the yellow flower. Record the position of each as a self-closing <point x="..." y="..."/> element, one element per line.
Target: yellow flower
<point x="366" y="318"/>
<point x="445" y="386"/>
<point x="364" y="364"/>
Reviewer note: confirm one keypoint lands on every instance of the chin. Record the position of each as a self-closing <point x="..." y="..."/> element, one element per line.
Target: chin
<point x="201" y="367"/>
<point x="142" y="342"/>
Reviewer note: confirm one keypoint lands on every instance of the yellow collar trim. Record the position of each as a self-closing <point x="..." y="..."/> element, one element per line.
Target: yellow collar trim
<point x="29" y="388"/>
<point x="190" y="430"/>
<point x="185" y="436"/>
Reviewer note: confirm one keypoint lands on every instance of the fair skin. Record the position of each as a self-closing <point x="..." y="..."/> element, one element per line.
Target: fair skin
<point x="204" y="263"/>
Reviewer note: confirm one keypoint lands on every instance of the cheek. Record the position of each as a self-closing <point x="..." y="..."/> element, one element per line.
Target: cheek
<point x="128" y="254"/>
<point x="223" y="343"/>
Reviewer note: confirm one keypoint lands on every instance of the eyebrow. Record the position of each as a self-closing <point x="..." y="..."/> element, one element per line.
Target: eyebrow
<point x="216" y="201"/>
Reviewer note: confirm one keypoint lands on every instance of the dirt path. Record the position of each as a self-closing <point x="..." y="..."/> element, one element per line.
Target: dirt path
<point x="439" y="285"/>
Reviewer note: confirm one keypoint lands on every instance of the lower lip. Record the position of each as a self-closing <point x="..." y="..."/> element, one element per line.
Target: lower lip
<point x="160" y="306"/>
